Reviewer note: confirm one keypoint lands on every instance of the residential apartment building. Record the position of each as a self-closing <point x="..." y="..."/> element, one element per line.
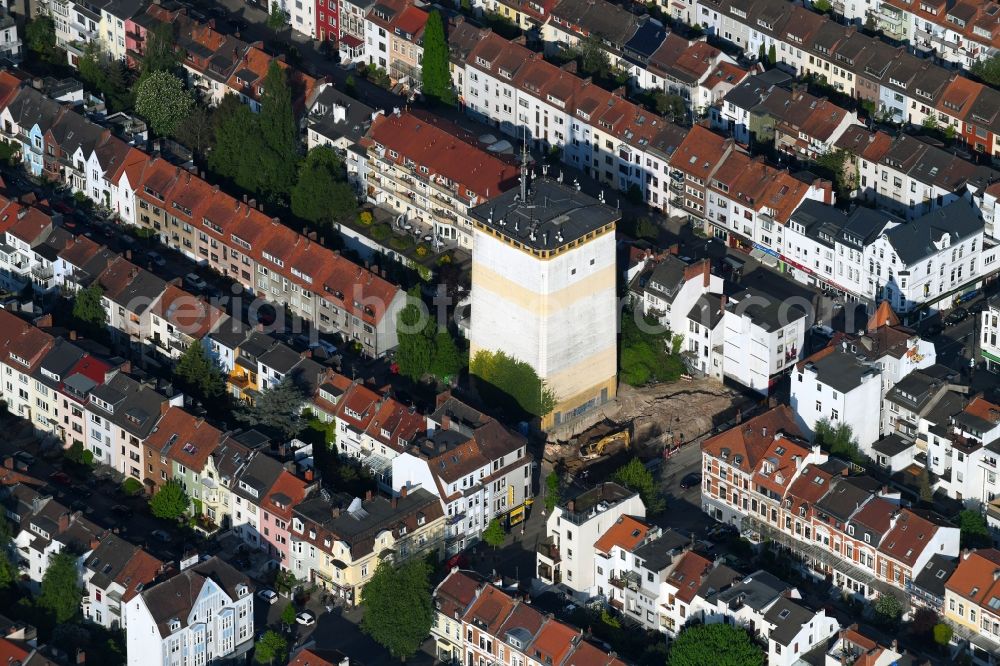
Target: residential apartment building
<point x="201" y="615"/>
<point x="672" y="288"/>
<point x="972" y="602"/>
<point x="567" y="555"/>
<point x="840" y="524"/>
<point x="495" y="623"/>
<point x="477" y="468"/>
<point x="961" y="34"/>
<point x="989" y="327"/>
<point x="393" y="40"/>
<point x="337" y="542"/>
<point x="432" y="173"/>
<point x="113" y="574"/>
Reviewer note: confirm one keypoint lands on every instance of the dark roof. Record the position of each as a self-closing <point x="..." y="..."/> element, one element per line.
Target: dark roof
<point x="769" y="305"/>
<point x="707" y="311"/>
<point x="891" y="445"/>
<point x="335" y="115"/>
<point x="935" y="574"/>
<point x="280" y="358"/>
<point x="657" y="554"/>
<point x="553" y="215"/>
<point x="757" y="590"/>
<point x="787" y="618"/>
<point x="175" y="597"/>
<point x="846" y="495"/>
<point x="840" y="370"/>
<point x="666" y="277"/>
<point x="914" y="241"/>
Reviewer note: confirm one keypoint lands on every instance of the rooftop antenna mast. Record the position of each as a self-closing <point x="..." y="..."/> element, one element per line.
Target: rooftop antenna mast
<point x="524" y="168"/>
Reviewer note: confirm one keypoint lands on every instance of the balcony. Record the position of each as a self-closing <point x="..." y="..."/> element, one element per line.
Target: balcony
<point x="42" y="273"/>
<point x="628" y="580"/>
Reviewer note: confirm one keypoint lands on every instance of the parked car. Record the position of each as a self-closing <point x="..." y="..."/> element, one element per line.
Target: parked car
<point x="306" y="618"/>
<point x="956" y="316"/>
<point x="691" y="480"/>
<point x="195" y="282"/>
<point x="156" y="258"/>
<point x="268" y="595"/>
<point x="162" y="535"/>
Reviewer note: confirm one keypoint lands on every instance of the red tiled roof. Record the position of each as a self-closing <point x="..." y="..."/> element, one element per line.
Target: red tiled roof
<point x="11" y="652"/>
<point x="184" y="438"/>
<point x="189" y="314"/>
<point x="22" y="340"/>
<point x="626" y="533"/>
<point x="977" y="577"/>
<point x="686" y="575"/>
<point x="292" y="488"/>
<point x="446" y="151"/>
<point x="908" y="537"/>
<point x="754" y="438"/>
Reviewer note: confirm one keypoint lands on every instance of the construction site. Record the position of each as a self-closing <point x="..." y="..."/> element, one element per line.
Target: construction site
<point x="650" y="423"/>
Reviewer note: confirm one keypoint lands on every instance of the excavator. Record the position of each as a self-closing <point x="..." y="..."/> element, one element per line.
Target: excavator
<point x="620" y="437"/>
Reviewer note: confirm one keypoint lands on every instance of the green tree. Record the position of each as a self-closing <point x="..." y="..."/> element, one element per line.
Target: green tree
<point x="279" y="134"/>
<point x="8" y="574"/>
<point x="88" y="309"/>
<point x="772" y="55"/>
<point x="277" y="19"/>
<point x="837" y="165"/>
<point x="238" y="144"/>
<point x="40" y="35"/>
<point x="975" y="533"/>
<point x="271" y="648"/>
<point x="988" y="70"/>
<point x="398" y="608"/>
<point x="551" y="491"/>
<point x="670" y="105"/>
<point x="511" y="383"/>
<point x="435" y="68"/>
<point x="594" y="59"/>
<point x="416" y="346"/>
<point x="160" y="53"/>
<point x="839" y="440"/>
<point x="924" y="486"/>
<point x="278" y="409"/>
<point x="288" y="615"/>
<point x="888" y="610"/>
<point x="321" y="194"/>
<point x="716" y="644"/>
<point x="79" y="455"/>
<point x="822" y="6"/>
<point x="648" y="355"/>
<point x="61" y="592"/>
<point x="634" y="476"/>
<point x="196" y="373"/>
<point x="170" y="502"/>
<point x="931" y="123"/>
<point x="494" y="534"/>
<point x="446" y="361"/>
<point x="196" y="130"/>
<point x="284" y="582"/>
<point x="943" y="633"/>
<point x="105" y="75"/>
<point x="162" y="99"/>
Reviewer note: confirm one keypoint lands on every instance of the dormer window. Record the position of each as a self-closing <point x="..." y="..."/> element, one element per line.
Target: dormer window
<point x="242" y="590"/>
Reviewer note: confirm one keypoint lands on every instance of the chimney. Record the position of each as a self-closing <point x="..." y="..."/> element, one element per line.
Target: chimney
<point x="723" y="299"/>
<point x="996" y="575"/>
<point x="45" y="321"/>
<point x="368" y="496"/>
<point x="81" y="657"/>
<point x="8" y="462"/>
<point x="739" y="416"/>
<point x="394" y="502"/>
<point x="308" y="475"/>
<point x="965" y="553"/>
<point x="94" y="543"/>
<point x="72" y="335"/>
<point x="571" y="505"/>
<point x="706" y="268"/>
<point x="126" y="367"/>
<point x="335" y="511"/>
<point x="63" y="522"/>
<point x="402" y="493"/>
<point x="307" y="353"/>
<point x="675" y="249"/>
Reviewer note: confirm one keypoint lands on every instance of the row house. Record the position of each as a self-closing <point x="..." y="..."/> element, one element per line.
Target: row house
<point x="608" y="137"/>
<point x="902" y="87"/>
<point x="276" y="507"/>
<point x="672" y="288"/>
<point x="908" y="176"/>
<point x="267" y="258"/>
<point x="122" y="414"/>
<point x="960" y="34"/>
<point x="179" y="319"/>
<point x="478" y="469"/>
<point x="908" y="403"/>
<point x="834" y="385"/>
<point x="989" y="334"/>
<point x="694" y="69"/>
<point x="351" y="21"/>
<point x="224" y="465"/>
<point x="340" y="122"/>
<point x="112" y="575"/>
<point x="393" y="40"/>
<point x="29" y="246"/>
<point x="498" y="628"/>
<point x="204" y="614"/>
<point x="129" y="294"/>
<point x="567" y="554"/>
<point x="338" y="542"/>
<point x="614" y="27"/>
<point x="43" y="528"/>
<point x="249" y="492"/>
<point x="80" y="262"/>
<point x="841" y="525"/>
<point x="763" y="111"/>
<point x="972" y="602"/>
<point x="525" y="14"/>
<point x="22" y="349"/>
<point x="431" y="173"/>
<point x="452" y="598"/>
<point x="217" y="65"/>
<point x="962" y="448"/>
<point x="372" y="428"/>
<point x="178" y="450"/>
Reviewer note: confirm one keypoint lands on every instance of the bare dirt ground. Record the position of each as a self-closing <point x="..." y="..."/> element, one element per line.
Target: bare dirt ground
<point x="660" y="415"/>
